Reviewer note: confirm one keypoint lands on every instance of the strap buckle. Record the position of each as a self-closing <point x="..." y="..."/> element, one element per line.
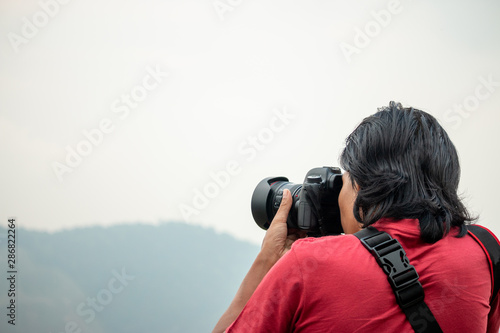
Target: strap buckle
<point x="402" y="276"/>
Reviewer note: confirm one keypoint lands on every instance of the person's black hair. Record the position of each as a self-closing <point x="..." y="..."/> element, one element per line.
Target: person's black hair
<point x="406" y="167"/>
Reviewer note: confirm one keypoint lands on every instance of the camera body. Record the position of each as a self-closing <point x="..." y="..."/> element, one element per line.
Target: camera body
<point x="315" y="202"/>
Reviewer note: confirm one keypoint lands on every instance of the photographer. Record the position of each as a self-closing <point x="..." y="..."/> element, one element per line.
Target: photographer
<point x="402" y="175"/>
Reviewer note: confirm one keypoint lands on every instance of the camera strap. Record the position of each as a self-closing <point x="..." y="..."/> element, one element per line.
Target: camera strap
<point x="402" y="277"/>
<point x="490" y="246"/>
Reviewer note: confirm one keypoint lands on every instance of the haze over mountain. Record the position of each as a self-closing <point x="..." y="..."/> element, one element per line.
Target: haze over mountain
<point x="128" y="278"/>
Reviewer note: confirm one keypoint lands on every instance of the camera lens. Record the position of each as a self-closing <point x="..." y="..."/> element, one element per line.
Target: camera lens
<point x="315" y="206"/>
<point x="266" y="200"/>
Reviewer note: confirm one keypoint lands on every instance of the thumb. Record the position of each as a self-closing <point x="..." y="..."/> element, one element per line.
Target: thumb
<point x="286" y="203"/>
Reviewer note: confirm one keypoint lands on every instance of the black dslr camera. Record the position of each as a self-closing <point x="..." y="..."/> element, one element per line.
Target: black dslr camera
<point x="315" y="205"/>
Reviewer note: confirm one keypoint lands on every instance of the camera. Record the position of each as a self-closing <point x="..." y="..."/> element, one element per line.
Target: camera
<point x="315" y="205"/>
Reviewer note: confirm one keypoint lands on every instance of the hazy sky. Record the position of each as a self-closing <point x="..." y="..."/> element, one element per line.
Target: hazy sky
<point x="127" y="111"/>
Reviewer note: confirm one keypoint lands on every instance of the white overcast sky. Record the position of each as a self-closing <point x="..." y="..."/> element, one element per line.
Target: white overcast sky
<point x="232" y="66"/>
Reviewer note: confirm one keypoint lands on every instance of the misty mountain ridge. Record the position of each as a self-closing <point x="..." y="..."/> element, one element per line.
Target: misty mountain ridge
<point x="172" y="277"/>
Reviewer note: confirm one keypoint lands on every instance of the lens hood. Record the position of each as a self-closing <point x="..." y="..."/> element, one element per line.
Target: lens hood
<point x="261" y="199"/>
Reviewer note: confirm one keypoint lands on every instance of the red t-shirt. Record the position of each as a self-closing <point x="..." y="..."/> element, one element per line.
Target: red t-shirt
<point x="333" y="284"/>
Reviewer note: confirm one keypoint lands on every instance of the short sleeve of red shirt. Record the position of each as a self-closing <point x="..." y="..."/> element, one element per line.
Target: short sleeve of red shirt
<point x="275" y="304"/>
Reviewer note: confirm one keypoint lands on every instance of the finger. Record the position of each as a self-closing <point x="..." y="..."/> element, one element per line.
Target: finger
<point x="286" y="204"/>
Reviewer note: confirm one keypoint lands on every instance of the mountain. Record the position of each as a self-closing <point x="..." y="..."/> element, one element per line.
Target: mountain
<point x="128" y="278"/>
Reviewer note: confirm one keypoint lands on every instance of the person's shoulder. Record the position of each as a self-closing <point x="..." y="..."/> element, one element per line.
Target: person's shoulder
<point x="342" y="241"/>
<point x="315" y="254"/>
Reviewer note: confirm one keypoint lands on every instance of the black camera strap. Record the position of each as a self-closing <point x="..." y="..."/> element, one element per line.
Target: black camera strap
<point x="491" y="248"/>
<point x="402" y="277"/>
